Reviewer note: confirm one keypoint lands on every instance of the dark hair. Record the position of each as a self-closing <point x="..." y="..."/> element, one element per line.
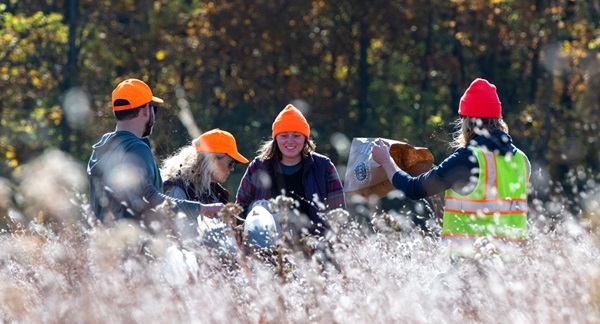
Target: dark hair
<point x="126" y="114"/>
<point x="270" y="150"/>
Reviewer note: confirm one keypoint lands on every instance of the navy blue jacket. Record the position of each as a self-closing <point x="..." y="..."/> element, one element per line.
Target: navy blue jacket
<point x="456" y="171"/>
<point x="320" y="178"/>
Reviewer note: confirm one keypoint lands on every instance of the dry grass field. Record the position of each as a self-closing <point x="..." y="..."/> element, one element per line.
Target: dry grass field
<point x="58" y="267"/>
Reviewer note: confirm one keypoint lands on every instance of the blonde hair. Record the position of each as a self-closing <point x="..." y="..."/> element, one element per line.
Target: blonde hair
<point x="467" y="128"/>
<point x="191" y="167"/>
<point x="269" y="150"/>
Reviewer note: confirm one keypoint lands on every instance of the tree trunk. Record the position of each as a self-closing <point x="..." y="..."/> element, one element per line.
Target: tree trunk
<point x="70" y="79"/>
<point x="363" y="70"/>
<point x="550" y="55"/>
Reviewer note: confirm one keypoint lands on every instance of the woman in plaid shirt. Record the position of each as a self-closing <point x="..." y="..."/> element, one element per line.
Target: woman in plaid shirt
<point x="289" y="165"/>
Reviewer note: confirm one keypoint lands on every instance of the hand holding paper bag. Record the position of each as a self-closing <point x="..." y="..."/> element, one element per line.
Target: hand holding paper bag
<point x="366" y="177"/>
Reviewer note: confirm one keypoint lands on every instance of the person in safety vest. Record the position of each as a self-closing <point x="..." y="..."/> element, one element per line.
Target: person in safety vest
<point x="485" y="180"/>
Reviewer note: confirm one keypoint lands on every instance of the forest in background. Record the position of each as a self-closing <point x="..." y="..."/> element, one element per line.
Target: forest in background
<point x="394" y="69"/>
<point x="361" y="68"/>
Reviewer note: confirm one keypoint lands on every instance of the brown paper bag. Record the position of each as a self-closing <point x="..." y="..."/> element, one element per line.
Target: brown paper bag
<point x="366" y="177"/>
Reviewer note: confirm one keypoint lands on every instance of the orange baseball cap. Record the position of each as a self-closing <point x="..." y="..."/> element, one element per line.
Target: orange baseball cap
<point x="219" y="141"/>
<point x="136" y="92"/>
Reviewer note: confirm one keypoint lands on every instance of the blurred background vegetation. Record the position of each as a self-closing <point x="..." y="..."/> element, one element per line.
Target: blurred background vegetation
<point x="361" y="68"/>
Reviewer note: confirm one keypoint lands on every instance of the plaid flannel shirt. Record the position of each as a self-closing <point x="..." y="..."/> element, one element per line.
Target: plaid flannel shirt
<point x="320" y="178"/>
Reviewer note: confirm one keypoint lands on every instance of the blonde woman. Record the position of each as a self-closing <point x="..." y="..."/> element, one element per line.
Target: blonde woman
<point x="197" y="172"/>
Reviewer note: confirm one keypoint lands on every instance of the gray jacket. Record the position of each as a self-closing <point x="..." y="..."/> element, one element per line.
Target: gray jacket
<point x="125" y="181"/>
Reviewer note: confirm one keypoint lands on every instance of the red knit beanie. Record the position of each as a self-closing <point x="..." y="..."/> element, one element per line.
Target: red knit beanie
<point x="480" y="100"/>
<point x="290" y="119"/>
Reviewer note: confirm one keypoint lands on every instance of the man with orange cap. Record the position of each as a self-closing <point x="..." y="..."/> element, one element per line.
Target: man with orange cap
<point x="485" y="180"/>
<point x="125" y="182"/>
<point x="288" y="163"/>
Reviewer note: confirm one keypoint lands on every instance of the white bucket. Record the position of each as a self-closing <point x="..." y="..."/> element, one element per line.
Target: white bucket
<point x="261" y="228"/>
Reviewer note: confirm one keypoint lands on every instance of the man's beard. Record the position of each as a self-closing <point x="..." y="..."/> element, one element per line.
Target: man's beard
<point x="148" y="128"/>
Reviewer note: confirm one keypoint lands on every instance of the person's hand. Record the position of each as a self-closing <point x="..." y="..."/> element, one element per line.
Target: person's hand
<point x="211" y="210"/>
<point x="380" y="151"/>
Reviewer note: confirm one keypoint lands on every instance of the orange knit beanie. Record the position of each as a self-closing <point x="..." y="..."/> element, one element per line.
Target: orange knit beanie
<point x="290" y="119"/>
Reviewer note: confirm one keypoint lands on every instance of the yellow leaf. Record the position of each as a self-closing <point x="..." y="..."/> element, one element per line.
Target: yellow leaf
<point x="435" y="119"/>
<point x="160" y="55"/>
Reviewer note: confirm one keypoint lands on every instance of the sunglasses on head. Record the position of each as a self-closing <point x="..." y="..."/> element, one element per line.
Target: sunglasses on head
<point x="154" y="106"/>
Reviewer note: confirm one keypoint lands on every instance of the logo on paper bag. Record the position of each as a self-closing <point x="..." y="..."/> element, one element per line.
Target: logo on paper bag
<point x="361" y="172"/>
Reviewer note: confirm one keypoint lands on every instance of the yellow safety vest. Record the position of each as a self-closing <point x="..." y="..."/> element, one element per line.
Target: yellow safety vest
<point x="496" y="209"/>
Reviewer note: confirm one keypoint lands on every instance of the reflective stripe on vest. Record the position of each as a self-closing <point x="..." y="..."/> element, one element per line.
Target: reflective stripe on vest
<point x="497" y="206"/>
